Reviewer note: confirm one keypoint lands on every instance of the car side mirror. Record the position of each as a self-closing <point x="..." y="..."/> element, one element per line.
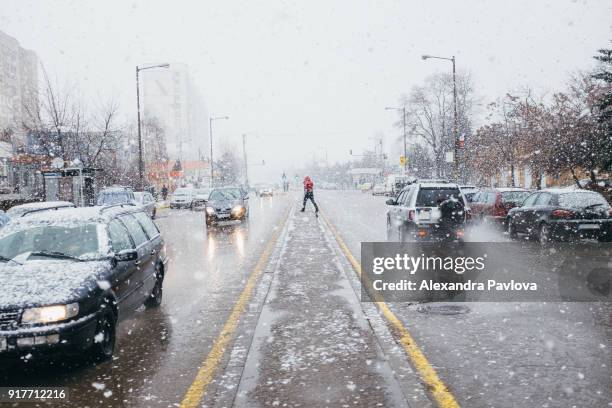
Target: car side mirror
<point x="126" y="255"/>
<point x="391" y="201"/>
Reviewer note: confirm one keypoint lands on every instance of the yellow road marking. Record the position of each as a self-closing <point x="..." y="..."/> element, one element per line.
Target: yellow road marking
<point x="206" y="372"/>
<point x="443" y="397"/>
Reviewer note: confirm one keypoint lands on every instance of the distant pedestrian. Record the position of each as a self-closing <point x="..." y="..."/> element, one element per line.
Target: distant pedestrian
<point x="164" y="192"/>
<point x="309" y="194"/>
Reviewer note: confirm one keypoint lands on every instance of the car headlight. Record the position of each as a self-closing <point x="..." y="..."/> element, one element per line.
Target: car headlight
<point x="210" y="210"/>
<point x="237" y="210"/>
<point x="49" y="314"/>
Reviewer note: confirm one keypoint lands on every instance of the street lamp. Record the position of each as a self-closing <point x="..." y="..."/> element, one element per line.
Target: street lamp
<point x="455" y="125"/>
<point x="403" y="110"/>
<point x="210" y="123"/>
<point x="140" y="160"/>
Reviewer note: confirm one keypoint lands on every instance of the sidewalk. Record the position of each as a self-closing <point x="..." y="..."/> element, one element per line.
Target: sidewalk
<point x="313" y="345"/>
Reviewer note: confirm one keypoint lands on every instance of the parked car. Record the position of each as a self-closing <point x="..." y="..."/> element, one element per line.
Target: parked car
<point x="116" y="195"/>
<point x="182" y="198"/>
<point x="69" y="276"/>
<point x="468" y="192"/>
<point x="24" y="209"/>
<point x="493" y="204"/>
<point x="415" y="215"/>
<point x="227" y="204"/>
<point x="561" y="214"/>
<point x="147" y="202"/>
<point x="200" y="197"/>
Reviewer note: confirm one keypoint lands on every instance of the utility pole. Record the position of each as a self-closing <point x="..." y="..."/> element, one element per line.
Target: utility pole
<point x="403" y="110"/>
<point x="455" y="117"/>
<point x="246" y="166"/>
<point x="456" y="125"/>
<point x="140" y="158"/>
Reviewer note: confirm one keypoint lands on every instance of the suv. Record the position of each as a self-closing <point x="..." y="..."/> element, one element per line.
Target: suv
<point x="68" y="275"/>
<point x="415" y="214"/>
<point x="227" y="204"/>
<point x="116" y="195"/>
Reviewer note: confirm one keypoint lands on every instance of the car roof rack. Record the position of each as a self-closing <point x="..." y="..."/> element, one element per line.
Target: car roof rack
<point x="108" y="207"/>
<point x="35" y="210"/>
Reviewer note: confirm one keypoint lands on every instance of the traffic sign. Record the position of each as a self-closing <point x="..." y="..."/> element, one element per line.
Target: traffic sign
<point x="403" y="160"/>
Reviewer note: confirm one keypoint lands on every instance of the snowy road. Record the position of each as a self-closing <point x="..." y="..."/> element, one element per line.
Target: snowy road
<point x="268" y="314"/>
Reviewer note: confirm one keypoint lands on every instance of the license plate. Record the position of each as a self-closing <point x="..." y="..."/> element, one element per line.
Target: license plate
<point x="2" y="344"/>
<point x="224" y="215"/>
<point x="425" y="215"/>
<point x="588" y="226"/>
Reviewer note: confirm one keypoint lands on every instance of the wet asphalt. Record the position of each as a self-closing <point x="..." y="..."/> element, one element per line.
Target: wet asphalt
<point x="305" y="339"/>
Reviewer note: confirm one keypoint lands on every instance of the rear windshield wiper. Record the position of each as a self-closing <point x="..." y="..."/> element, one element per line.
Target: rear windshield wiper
<point x="5" y="259"/>
<point x="593" y="205"/>
<point x="55" y="254"/>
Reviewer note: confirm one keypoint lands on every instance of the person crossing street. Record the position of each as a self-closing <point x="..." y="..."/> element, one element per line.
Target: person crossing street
<point x="309" y="194"/>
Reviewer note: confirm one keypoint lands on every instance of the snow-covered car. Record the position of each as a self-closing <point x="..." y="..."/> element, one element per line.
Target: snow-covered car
<point x="182" y="198"/>
<point x="68" y="276"/>
<point x="29" y="208"/>
<point x="116" y="195"/>
<point x="147" y="202"/>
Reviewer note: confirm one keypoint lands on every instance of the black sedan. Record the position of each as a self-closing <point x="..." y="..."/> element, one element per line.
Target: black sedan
<point x="68" y="276"/>
<point x="227" y="204"/>
<point x="561" y="214"/>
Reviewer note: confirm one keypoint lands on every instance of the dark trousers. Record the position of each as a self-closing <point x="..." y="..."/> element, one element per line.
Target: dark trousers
<point x="309" y="195"/>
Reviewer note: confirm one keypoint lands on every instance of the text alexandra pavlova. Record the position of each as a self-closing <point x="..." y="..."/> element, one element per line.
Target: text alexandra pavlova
<point x="469" y="285"/>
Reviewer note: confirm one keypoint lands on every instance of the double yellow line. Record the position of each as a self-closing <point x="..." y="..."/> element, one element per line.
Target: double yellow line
<point x="206" y="373"/>
<point x="435" y="386"/>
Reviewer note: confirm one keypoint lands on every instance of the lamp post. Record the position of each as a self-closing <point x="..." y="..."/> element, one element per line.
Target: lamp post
<point x="210" y="127"/>
<point x="140" y="159"/>
<point x="455" y="120"/>
<point x="403" y="110"/>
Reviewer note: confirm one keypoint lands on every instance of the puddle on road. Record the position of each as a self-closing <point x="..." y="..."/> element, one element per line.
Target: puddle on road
<point x="443" y="309"/>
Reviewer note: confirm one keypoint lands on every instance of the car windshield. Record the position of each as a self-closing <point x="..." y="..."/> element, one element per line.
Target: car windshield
<point x="582" y="199"/>
<point x="113" y="197"/>
<point x="514" y="197"/>
<point x="78" y="241"/>
<point x="431" y="197"/>
<point x="225" y="194"/>
<point x="203" y="191"/>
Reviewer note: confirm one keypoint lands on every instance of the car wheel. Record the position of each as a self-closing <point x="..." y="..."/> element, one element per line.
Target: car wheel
<point x="104" y="339"/>
<point x="512" y="229"/>
<point x="154" y="213"/>
<point x="388" y="229"/>
<point x="544" y="234"/>
<point x="155" y="298"/>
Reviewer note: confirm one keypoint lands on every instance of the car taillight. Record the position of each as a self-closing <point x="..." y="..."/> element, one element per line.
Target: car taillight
<point x="411" y="215"/>
<point x="562" y="214"/>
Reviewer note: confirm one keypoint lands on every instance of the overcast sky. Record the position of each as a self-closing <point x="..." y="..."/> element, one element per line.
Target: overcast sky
<point x="301" y="75"/>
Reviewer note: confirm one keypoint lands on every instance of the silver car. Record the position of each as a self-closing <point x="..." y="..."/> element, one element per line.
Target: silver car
<point x="147" y="202"/>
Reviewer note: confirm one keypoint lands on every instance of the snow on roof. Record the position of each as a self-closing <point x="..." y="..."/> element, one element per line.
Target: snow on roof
<point x="44" y="204"/>
<point x="565" y="190"/>
<point x="435" y="184"/>
<point x="75" y="215"/>
<point x="507" y="189"/>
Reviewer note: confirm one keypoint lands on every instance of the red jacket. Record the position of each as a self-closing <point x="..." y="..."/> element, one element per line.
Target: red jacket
<point x="308" y="184"/>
